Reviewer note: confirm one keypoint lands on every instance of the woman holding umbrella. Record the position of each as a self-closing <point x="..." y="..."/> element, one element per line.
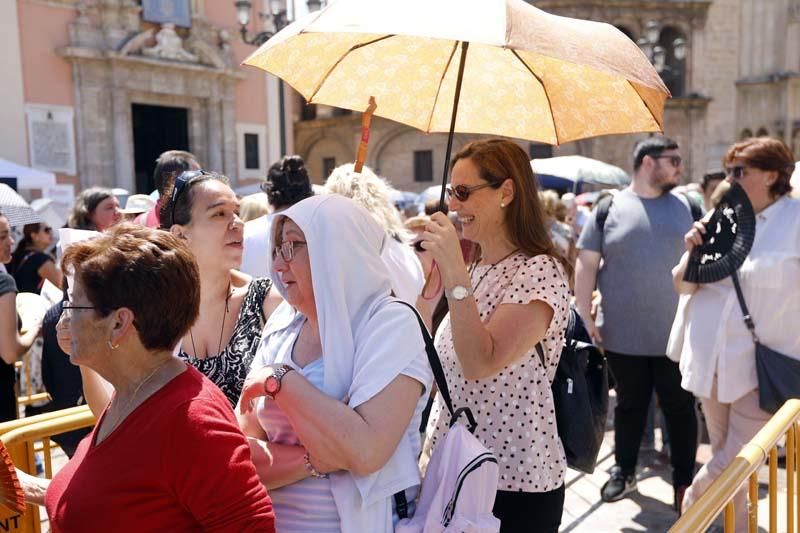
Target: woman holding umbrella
<point x="12" y="344"/>
<point x="489" y="360"/>
<point x="718" y="359"/>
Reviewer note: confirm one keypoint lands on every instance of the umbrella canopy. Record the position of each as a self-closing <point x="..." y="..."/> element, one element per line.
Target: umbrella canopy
<point x="567" y="172"/>
<point x="27" y="178"/>
<point x="15" y="208"/>
<point x="521" y="72"/>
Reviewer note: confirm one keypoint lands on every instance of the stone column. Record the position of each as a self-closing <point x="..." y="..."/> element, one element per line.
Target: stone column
<point x="123" y="141"/>
<point x="214" y="134"/>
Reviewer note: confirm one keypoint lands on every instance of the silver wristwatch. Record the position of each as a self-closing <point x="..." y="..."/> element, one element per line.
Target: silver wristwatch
<point x="458" y="293"/>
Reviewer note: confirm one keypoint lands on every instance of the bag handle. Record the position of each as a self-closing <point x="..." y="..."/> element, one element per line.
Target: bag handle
<point x="748" y="319"/>
<point x="438" y="374"/>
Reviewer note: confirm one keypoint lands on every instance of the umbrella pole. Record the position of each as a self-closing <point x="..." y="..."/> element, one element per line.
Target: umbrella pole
<point x="464" y="47"/>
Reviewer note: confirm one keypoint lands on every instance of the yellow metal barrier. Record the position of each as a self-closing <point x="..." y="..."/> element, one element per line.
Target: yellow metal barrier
<point x="744" y="469"/>
<point x="20" y="437"/>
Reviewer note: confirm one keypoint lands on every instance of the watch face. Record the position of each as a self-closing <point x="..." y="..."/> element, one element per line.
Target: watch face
<point x="272" y="385"/>
<point x="459" y="293"/>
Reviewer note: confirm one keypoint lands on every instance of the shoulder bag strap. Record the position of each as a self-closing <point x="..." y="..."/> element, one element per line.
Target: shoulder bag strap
<point x="433" y="360"/>
<point x="748" y="320"/>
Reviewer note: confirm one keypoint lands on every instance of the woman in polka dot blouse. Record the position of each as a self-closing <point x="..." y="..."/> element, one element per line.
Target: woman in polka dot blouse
<point x="515" y="296"/>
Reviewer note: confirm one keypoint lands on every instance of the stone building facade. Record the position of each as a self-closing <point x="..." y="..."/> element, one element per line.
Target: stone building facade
<point x="100" y="87"/>
<point x="739" y="78"/>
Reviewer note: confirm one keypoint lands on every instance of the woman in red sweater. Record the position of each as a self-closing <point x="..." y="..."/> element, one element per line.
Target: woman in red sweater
<point x="167" y="453"/>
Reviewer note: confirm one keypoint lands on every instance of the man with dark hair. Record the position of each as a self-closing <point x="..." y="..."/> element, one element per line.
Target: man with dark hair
<point x="709" y="185"/>
<point x="639" y="242"/>
<point x="169" y="165"/>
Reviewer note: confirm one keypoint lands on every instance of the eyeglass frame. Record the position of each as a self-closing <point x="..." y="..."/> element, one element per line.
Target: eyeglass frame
<point x="675" y="160"/>
<point x="736" y="171"/>
<point x="288" y="245"/>
<point x="467" y="191"/>
<point x="67" y="306"/>
<point x="180" y="185"/>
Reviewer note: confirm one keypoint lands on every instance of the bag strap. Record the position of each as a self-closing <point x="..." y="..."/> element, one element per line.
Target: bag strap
<point x="438" y="374"/>
<point x="748" y="320"/>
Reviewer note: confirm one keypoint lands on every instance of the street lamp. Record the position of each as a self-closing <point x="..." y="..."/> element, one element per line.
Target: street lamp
<point x="656" y="53"/>
<point x="277" y="13"/>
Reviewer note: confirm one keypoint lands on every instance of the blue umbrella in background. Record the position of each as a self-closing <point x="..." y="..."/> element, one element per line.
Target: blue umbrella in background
<point x="570" y="172"/>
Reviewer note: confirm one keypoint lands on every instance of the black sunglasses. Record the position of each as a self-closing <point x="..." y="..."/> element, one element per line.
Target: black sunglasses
<point x="418" y="246"/>
<point x="737" y="171"/>
<point x="180" y="184"/>
<point x="675" y="160"/>
<point x="462" y="192"/>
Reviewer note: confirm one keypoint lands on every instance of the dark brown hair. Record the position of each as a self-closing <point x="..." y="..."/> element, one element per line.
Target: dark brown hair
<point x="769" y="154"/>
<point x="150" y="272"/>
<point x="498" y="160"/>
<point x="181" y="213"/>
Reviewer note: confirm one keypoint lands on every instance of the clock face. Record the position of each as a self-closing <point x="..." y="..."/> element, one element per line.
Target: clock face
<point x="272" y="385"/>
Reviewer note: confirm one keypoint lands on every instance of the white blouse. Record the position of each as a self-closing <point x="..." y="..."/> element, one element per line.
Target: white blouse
<point x="716" y="340"/>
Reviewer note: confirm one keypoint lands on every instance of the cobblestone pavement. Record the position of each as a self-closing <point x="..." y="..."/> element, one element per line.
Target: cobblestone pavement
<point x="650" y="508"/>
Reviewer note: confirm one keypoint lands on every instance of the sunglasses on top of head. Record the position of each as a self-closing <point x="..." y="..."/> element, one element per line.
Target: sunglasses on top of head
<point x="462" y="192"/>
<point x="180" y="184"/>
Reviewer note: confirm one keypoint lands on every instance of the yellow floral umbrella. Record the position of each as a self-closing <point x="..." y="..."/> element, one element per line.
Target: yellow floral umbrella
<point x="517" y="71"/>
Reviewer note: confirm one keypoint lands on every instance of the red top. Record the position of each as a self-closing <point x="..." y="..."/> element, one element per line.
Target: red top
<point x="178" y="462"/>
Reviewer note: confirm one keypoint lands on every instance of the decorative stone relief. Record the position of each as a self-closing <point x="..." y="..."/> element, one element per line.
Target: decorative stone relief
<point x="169" y="46"/>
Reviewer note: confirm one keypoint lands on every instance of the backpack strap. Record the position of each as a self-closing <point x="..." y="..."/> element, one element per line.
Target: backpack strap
<point x="694" y="207"/>
<point x="438" y="374"/>
<point x="602" y="208"/>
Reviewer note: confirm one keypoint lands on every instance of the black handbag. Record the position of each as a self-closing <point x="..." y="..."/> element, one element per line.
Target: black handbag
<point x="778" y="374"/>
<point x="580" y="395"/>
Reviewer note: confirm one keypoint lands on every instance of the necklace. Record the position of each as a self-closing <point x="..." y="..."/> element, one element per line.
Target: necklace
<point x="475" y="264"/>
<point x="221" y="330"/>
<point x="133" y="396"/>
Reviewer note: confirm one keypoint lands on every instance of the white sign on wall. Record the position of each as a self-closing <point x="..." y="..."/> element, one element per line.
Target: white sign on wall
<point x="51" y="138"/>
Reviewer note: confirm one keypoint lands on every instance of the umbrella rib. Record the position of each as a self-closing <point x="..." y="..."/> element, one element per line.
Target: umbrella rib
<point x="549" y="103"/>
<point x="646" y="105"/>
<point x="333" y="67"/>
<point x="441" y="81"/>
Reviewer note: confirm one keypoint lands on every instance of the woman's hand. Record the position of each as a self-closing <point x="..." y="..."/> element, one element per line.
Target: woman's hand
<point x="321" y="466"/>
<point x="695" y="236"/>
<point x="441" y="239"/>
<point x="253" y="388"/>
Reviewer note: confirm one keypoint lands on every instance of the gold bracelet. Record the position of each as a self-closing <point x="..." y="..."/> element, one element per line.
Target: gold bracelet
<point x="311" y="469"/>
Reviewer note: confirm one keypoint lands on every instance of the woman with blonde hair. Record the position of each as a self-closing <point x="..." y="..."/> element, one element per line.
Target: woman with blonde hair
<point x="374" y="194"/>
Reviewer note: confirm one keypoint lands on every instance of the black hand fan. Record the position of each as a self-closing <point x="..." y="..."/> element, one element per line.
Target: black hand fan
<point x="729" y="236"/>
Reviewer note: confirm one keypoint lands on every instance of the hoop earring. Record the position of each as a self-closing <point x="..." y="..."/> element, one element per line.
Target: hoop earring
<point x="112" y="346"/>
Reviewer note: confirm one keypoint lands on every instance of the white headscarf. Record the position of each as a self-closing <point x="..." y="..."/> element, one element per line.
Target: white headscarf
<point x="367" y="337"/>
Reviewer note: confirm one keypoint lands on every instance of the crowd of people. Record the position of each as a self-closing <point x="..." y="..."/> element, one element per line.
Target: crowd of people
<point x="251" y="366"/>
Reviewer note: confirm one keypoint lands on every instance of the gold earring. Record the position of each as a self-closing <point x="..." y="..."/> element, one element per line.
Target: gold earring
<point x="112" y="346"/>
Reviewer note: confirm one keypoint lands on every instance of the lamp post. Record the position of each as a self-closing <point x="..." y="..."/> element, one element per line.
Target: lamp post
<point x="279" y="20"/>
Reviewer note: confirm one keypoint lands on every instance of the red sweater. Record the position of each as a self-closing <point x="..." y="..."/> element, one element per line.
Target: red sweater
<point x="177" y="463"/>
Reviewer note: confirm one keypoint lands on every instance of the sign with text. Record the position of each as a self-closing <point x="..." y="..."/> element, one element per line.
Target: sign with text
<point x="177" y="12"/>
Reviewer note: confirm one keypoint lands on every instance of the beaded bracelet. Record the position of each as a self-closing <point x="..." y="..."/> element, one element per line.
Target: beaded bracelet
<point x="311" y="469"/>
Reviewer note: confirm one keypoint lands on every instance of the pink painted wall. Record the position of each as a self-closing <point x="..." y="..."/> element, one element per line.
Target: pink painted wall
<point x="47" y="77"/>
<point x="251" y="105"/>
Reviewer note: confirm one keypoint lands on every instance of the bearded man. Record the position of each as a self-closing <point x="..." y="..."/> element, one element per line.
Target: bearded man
<point x="639" y="237"/>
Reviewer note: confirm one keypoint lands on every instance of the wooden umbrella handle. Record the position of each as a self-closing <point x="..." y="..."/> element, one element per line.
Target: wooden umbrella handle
<point x="366" y="119"/>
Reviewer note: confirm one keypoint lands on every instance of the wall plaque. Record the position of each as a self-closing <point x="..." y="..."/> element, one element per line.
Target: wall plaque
<point x="177" y="12"/>
<point x="51" y="141"/>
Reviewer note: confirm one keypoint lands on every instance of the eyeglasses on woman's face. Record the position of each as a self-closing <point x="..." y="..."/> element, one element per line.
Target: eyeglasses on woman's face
<point x="462" y="192"/>
<point x="286" y="250"/>
<point x="68" y="307"/>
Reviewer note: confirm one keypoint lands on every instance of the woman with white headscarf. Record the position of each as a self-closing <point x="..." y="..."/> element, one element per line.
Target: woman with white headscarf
<point x="345" y="374"/>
